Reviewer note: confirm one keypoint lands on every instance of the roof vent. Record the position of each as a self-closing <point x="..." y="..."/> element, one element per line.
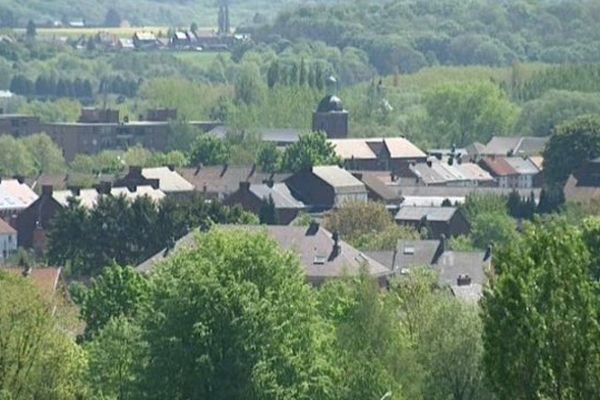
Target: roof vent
<point x="463" y="280"/>
<point x="319" y="260"/>
<point x="409" y="250"/>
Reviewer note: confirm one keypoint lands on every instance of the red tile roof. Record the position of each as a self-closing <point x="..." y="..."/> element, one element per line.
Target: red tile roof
<point x="498" y="166"/>
<point x="45" y="279"/>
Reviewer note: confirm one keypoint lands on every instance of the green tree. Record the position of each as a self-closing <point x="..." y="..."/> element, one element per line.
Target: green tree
<point x="496" y="228"/>
<point x="46" y="155"/>
<point x="310" y="150"/>
<point x="581" y="136"/>
<point x="31" y="31"/>
<point x="477" y="203"/>
<point x="541" y="324"/>
<point x="117" y="292"/>
<point x="112" y="18"/>
<point x="267" y="213"/>
<point x="37" y="359"/>
<point x="209" y="150"/>
<point x="248" y="85"/>
<point x="114" y="357"/>
<point x="461" y="114"/>
<point x="269" y="157"/>
<point x="233" y="318"/>
<point x="15" y="159"/>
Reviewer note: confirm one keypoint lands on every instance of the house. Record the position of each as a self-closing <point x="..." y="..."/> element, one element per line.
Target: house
<point x="463" y="272"/>
<point x="508" y="146"/>
<point x="218" y="182"/>
<point x="166" y="179"/>
<point x="255" y="197"/>
<point x="35" y="221"/>
<point x="437" y="221"/>
<point x="442" y="173"/>
<point x="377" y="154"/>
<point x="583" y="186"/>
<point x="19" y="125"/>
<point x="323" y="255"/>
<point x="181" y="40"/>
<point x="512" y="172"/>
<point x="8" y="240"/>
<point x="47" y="280"/>
<point x="145" y="41"/>
<point x="326" y="187"/>
<point x="15" y="196"/>
<point x="377" y="190"/>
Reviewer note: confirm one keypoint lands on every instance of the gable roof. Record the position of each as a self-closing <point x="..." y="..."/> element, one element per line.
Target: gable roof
<point x="368" y="148"/>
<point x="15" y="195"/>
<point x="44" y="279"/>
<point x="6" y="229"/>
<point x="523" y="166"/>
<point x="279" y="192"/>
<point x="225" y="179"/>
<point x="437" y="172"/>
<point x="169" y="181"/>
<point x="313" y="247"/>
<point x="517" y="145"/>
<point x="416" y="253"/>
<point x="341" y="180"/>
<point x="435" y="214"/>
<point x="374" y="182"/>
<point x="452" y="264"/>
<point x="499" y="166"/>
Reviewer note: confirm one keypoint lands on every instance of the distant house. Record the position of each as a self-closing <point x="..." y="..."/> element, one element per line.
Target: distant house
<point x="181" y="40"/>
<point x="255" y="197"/>
<point x="166" y="179"/>
<point x="512" y="172"/>
<point x="438" y="221"/>
<point x="323" y="255"/>
<point x="218" y="182"/>
<point x="509" y="146"/>
<point x="378" y="154"/>
<point x="15" y="196"/>
<point x="46" y="280"/>
<point x="8" y="240"/>
<point x="583" y="186"/>
<point x="35" y="221"/>
<point x="377" y="190"/>
<point x="145" y="41"/>
<point x="465" y="273"/>
<point x="326" y="187"/>
<point x="441" y="173"/>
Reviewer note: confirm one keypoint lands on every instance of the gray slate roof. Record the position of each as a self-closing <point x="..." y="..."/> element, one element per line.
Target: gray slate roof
<point x="279" y="192"/>
<point x="313" y="247"/>
<point x="441" y="214"/>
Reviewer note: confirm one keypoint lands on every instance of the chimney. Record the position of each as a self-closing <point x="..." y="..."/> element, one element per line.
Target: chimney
<point x="313" y="228"/>
<point x="104" y="188"/>
<point x="171" y="167"/>
<point x="337" y="249"/>
<point x="47" y="190"/>
<point x="245" y="186"/>
<point x="75" y="191"/>
<point x="488" y="252"/>
<point x="429" y="163"/>
<point x="443" y="243"/>
<point x="463" y="280"/>
<point x="135" y="170"/>
<point x="358" y="175"/>
<point x="19" y="178"/>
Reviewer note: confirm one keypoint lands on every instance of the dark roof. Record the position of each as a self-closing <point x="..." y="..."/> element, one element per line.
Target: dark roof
<point x="437" y="214"/>
<point x="314" y="247"/>
<point x="6" y="229"/>
<point x="374" y="184"/>
<point x="416" y="253"/>
<point x="279" y="192"/>
<point x="330" y="103"/>
<point x="224" y="180"/>
<point x="452" y="264"/>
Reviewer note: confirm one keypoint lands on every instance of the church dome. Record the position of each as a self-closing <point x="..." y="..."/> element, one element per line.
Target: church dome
<point x="330" y="103"/>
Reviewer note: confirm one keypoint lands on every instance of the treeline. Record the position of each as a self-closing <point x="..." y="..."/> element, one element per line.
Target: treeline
<point x="51" y="87"/>
<point x="411" y="34"/>
<point x="123" y="232"/>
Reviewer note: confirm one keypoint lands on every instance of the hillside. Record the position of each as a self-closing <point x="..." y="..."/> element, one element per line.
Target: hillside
<point x="138" y="12"/>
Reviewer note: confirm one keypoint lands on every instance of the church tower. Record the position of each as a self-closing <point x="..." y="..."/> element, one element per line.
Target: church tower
<point x="330" y="116"/>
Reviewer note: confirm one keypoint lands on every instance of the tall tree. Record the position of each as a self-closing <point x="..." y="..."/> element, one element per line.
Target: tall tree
<point x="112" y="18"/>
<point x="310" y="150"/>
<point x="541" y="323"/>
<point x="220" y="324"/>
<point x="209" y="150"/>
<point x="573" y="143"/>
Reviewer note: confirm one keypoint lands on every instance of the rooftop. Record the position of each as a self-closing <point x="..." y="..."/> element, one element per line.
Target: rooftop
<point x="437" y="214"/>
<point x="15" y="195"/>
<point x="6" y="229"/>
<point x="279" y="192"/>
<point x="88" y="198"/>
<point x="168" y="179"/>
<point x="340" y="179"/>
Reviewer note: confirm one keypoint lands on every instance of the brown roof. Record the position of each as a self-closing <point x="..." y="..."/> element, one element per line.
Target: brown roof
<point x="6" y="229"/>
<point x="375" y="183"/>
<point x="45" y="279"/>
<point x="498" y="166"/>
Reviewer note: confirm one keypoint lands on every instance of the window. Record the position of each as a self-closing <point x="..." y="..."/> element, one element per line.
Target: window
<point x="319" y="260"/>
